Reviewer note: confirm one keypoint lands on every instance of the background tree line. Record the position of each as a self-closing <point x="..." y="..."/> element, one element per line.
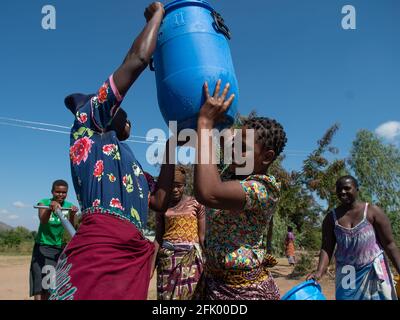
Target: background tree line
<point x="308" y="194"/>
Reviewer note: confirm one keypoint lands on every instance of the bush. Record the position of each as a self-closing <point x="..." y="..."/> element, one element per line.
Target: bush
<point x="16" y="241"/>
<point x="310" y="238"/>
<point x="304" y="266"/>
<point x="279" y="235"/>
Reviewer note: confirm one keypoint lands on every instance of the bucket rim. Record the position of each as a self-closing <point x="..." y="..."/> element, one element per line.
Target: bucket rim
<point x="301" y="286"/>
<point x="182" y="3"/>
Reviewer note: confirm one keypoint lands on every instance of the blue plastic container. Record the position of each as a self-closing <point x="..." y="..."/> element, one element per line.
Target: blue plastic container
<point x="192" y="48"/>
<point x="308" y="290"/>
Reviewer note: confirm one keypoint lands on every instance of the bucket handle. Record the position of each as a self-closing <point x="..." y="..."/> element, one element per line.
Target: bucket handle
<point x="151" y="64"/>
<point x="220" y="24"/>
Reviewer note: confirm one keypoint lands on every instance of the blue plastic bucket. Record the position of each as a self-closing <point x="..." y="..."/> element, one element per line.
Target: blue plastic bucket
<point x="192" y="48"/>
<point x="308" y="290"/>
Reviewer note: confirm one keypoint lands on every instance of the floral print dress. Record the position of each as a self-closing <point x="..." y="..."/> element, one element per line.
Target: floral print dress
<point x="108" y="258"/>
<point x="235" y="255"/>
<point x="106" y="175"/>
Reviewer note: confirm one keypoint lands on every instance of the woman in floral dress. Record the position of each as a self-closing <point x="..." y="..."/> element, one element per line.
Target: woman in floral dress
<point x="109" y="258"/>
<point x="238" y="210"/>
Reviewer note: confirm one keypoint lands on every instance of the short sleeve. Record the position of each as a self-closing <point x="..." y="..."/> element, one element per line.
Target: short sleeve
<point x="99" y="111"/>
<point x="258" y="196"/>
<point x="45" y="202"/>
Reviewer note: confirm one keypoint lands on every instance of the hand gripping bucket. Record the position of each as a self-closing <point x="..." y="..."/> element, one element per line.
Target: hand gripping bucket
<point x="192" y="47"/>
<point x="308" y="290"/>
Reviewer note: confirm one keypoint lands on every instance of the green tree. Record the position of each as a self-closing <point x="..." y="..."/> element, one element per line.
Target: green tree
<point x="377" y="168"/>
<point x="296" y="204"/>
<point x="319" y="173"/>
<point x="23" y="234"/>
<point x="11" y="239"/>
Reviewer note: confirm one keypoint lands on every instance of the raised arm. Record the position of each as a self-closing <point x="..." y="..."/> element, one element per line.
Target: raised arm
<point x="209" y="190"/>
<point x="327" y="247"/>
<point x="385" y="236"/>
<point x="72" y="215"/>
<point x="141" y="51"/>
<point x="160" y="230"/>
<point x="159" y="199"/>
<point x="201" y="225"/>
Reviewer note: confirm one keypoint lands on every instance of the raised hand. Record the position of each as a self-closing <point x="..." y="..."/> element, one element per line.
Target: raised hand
<point x="152" y="9"/>
<point x="214" y="107"/>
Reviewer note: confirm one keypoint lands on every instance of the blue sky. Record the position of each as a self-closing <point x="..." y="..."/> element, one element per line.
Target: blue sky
<point x="293" y="61"/>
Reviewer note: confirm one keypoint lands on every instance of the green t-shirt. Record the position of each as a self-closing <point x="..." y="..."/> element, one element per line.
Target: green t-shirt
<point x="51" y="233"/>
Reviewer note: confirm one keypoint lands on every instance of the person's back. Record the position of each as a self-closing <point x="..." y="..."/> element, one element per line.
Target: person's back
<point x="289" y="246"/>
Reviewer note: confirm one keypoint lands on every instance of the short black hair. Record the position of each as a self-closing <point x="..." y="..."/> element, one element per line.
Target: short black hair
<point x="59" y="183"/>
<point x="269" y="132"/>
<point x="347" y="177"/>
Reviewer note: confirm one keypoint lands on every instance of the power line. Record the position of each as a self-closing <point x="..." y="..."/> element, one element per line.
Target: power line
<point x="293" y="153"/>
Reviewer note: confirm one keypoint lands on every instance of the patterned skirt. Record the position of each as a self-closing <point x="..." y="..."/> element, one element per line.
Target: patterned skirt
<point x="371" y="282"/>
<point x="220" y="284"/>
<point x="290" y="251"/>
<point x="107" y="259"/>
<point x="178" y="270"/>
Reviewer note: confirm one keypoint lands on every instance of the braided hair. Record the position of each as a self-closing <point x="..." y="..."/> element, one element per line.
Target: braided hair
<point x="268" y="132"/>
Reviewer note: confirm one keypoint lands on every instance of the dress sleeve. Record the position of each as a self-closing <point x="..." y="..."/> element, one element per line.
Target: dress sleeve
<point x="99" y="111"/>
<point x="259" y="196"/>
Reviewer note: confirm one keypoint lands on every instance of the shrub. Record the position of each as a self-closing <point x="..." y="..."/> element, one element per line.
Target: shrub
<point x="304" y="266"/>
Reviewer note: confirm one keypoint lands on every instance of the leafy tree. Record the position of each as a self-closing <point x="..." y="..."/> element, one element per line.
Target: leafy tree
<point x="23" y="234"/>
<point x="296" y="203"/>
<point x="377" y="168"/>
<point x="320" y="174"/>
<point x="11" y="239"/>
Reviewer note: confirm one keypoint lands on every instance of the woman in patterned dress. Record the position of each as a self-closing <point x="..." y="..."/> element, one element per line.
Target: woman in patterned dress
<point x="361" y="234"/>
<point x="109" y="257"/>
<point x="179" y="236"/>
<point x="237" y="211"/>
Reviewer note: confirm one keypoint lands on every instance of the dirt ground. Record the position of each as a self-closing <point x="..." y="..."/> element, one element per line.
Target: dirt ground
<point x="14" y="279"/>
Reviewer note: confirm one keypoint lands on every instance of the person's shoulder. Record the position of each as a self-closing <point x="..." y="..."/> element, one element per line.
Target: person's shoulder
<point x="375" y="210"/>
<point x="191" y="199"/>
<point x="45" y="201"/>
<point x="264" y="180"/>
<point x="329" y="216"/>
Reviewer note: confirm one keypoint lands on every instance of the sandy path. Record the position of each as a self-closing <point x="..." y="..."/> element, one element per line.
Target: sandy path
<point x="281" y="271"/>
<point x="14" y="279"/>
